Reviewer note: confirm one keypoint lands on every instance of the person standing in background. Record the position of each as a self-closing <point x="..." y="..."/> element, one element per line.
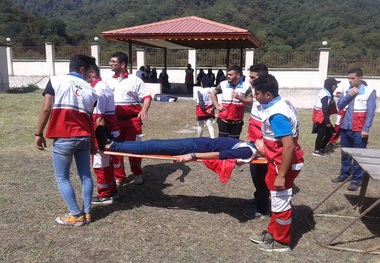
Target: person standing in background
<point x="189" y="79"/>
<point x="323" y="106"/>
<point x="360" y="103"/>
<point x="128" y="91"/>
<point x="235" y="94"/>
<point x="205" y="111"/>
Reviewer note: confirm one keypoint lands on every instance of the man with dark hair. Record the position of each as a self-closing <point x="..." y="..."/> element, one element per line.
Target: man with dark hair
<point x="68" y="104"/>
<point x="128" y="91"/>
<point x="360" y="103"/>
<point x="285" y="161"/>
<point x="260" y="204"/>
<point x="235" y="94"/>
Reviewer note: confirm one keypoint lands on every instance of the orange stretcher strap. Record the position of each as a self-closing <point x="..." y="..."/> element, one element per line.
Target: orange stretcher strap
<point x="259" y="160"/>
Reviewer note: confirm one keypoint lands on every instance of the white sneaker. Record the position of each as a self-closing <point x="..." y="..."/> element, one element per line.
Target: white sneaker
<point x="138" y="179"/>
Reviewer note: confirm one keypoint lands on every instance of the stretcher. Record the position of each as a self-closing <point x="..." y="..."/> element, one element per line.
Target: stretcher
<point x="260" y="160"/>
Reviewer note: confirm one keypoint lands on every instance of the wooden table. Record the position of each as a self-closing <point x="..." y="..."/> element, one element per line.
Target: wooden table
<point x="369" y="160"/>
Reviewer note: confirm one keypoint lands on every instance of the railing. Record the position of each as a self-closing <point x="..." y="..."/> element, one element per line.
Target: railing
<point x="29" y="53"/>
<point x="342" y="66"/>
<point x="211" y="58"/>
<point x="288" y="59"/>
<point x="65" y="52"/>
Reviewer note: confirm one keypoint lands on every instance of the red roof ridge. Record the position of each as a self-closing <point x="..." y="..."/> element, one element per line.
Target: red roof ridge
<point x="194" y="23"/>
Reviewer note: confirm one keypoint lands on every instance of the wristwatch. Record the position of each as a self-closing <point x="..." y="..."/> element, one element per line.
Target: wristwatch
<point x="193" y="156"/>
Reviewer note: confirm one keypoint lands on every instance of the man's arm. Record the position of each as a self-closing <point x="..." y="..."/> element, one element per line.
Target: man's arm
<point x="286" y="161"/>
<point x="43" y="119"/>
<point x="143" y="114"/>
<point x="371" y="107"/>
<point x="214" y="98"/>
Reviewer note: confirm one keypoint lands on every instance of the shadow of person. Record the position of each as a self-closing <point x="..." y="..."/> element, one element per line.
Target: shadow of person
<point x="302" y="222"/>
<point x="131" y="196"/>
<point x="152" y="193"/>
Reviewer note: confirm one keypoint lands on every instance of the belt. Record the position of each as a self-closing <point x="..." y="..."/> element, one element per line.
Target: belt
<point x="127" y="117"/>
<point x="231" y="122"/>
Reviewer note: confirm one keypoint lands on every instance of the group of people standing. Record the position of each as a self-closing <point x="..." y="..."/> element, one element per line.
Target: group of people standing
<point x="76" y="103"/>
<point x="355" y="111"/>
<point x="273" y="120"/>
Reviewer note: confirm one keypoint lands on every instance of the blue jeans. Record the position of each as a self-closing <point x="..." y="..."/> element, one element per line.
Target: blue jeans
<point x="63" y="151"/>
<point x="169" y="147"/>
<point x="351" y="139"/>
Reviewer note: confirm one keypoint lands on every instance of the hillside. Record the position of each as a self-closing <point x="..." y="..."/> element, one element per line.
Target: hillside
<point x="281" y="25"/>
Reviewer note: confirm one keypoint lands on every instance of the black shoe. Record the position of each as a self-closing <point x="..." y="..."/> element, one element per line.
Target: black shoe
<point x="353" y="186"/>
<point x="101" y="134"/>
<point x="339" y="179"/>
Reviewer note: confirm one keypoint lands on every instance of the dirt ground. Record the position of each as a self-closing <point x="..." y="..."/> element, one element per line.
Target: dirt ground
<point x="180" y="214"/>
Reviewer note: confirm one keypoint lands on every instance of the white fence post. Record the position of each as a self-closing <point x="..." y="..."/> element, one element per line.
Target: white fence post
<point x="140" y="57"/>
<point x="50" y="58"/>
<point x="249" y="57"/>
<point x="10" y="60"/>
<point x="95" y="52"/>
<point x="4" y="78"/>
<point x="323" y="65"/>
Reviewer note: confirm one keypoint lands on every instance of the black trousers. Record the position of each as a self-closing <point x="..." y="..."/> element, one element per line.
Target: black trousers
<point x="230" y="128"/>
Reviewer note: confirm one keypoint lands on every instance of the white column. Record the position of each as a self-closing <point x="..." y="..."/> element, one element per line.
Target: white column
<point x="140" y="56"/>
<point x="10" y="60"/>
<point x="193" y="61"/>
<point x="4" y="77"/>
<point x="95" y="52"/>
<point x="249" y="57"/>
<point x="50" y="58"/>
<point x="323" y="65"/>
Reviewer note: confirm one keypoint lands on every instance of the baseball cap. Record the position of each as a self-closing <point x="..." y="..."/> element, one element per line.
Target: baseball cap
<point x="329" y="82"/>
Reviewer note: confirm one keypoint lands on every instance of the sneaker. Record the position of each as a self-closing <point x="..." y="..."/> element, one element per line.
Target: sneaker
<point x="273" y="246"/>
<point x="138" y="179"/>
<point x="319" y="153"/>
<point x="252" y="214"/>
<point x="120" y="183"/>
<point x="102" y="137"/>
<point x="353" y="186"/>
<point x="263" y="237"/>
<point x="339" y="179"/>
<point x="102" y="200"/>
<point x="88" y="218"/>
<point x="105" y="200"/>
<point x="251" y="202"/>
<point x="70" y="220"/>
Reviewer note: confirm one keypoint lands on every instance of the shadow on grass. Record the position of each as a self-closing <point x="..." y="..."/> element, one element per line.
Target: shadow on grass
<point x="18" y="90"/>
<point x="151" y="194"/>
<point x="371" y="219"/>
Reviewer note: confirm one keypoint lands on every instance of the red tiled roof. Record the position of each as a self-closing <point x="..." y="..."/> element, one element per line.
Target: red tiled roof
<point x="188" y="32"/>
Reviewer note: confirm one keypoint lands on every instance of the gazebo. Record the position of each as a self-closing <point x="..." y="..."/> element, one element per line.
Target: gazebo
<point x="185" y="33"/>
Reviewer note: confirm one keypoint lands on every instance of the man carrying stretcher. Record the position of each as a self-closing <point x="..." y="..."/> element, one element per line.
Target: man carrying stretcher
<point x="219" y="154"/>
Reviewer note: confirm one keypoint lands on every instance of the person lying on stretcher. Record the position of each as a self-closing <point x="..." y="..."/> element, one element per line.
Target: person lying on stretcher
<point x="187" y="149"/>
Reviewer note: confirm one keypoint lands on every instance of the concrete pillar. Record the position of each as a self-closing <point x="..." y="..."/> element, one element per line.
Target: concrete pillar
<point x="323" y="65"/>
<point x="249" y="57"/>
<point x="10" y="60"/>
<point x="193" y="61"/>
<point x="95" y="52"/>
<point x="4" y="77"/>
<point x="140" y="56"/>
<point x="50" y="58"/>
